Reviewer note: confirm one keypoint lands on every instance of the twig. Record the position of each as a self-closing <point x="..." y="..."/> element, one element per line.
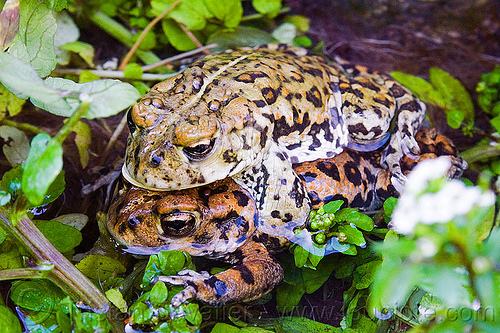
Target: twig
<point x="192" y="37"/>
<point x="177" y="57"/>
<point x="64" y="274"/>
<point x="116" y="134"/>
<point x="144" y="32"/>
<point x="121" y="33"/>
<point x="258" y="16"/>
<point x="22" y="126"/>
<point x="113" y="74"/>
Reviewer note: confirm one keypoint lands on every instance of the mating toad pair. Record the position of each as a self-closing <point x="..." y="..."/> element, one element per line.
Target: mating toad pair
<point x="228" y="157"/>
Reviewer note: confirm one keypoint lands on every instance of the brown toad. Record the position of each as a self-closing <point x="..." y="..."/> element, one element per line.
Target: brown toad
<point x="219" y="220"/>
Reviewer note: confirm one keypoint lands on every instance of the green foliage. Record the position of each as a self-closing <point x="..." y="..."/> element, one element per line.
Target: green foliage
<point x="99" y="267"/>
<point x="152" y="309"/>
<point x="63" y="237"/>
<point x="489" y="96"/>
<point x="36" y="45"/>
<point x="10" y="323"/>
<point x="444" y="91"/>
<point x="43" y="164"/>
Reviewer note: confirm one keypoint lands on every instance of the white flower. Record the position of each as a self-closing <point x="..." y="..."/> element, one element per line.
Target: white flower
<point x="453" y="198"/>
<point x="427" y="247"/>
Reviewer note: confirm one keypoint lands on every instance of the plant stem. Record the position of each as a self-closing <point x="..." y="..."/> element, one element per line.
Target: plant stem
<point x="121" y="33"/>
<point x="257" y="16"/>
<point x="144" y="32"/>
<point x="71" y="122"/>
<point x="22" y="126"/>
<point x="26" y="273"/>
<point x="177" y="57"/>
<point x="192" y="37"/>
<point x="64" y="274"/>
<point x="113" y="74"/>
<point x="482" y="152"/>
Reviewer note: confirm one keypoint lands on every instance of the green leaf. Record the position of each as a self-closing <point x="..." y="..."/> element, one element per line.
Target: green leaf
<point x="176" y="36"/>
<point x="447" y="283"/>
<point x="302" y="41"/>
<point x="455" y="94"/>
<point x="354" y="236"/>
<point x="9" y="17"/>
<point x="11" y="259"/>
<point x="159" y="294"/>
<point x="495" y="122"/>
<point x="389" y="206"/>
<point x="11" y="180"/>
<point x="333" y="206"/>
<point x="108" y="97"/>
<point x="9" y="102"/>
<point x="55" y="189"/>
<point x="241" y="36"/>
<point x="10" y="323"/>
<point x="269" y="7"/>
<point x="16" y="146"/>
<point x="98" y="267"/>
<point x="314" y="279"/>
<point x="300" y="255"/>
<point x="454" y="118"/>
<point x="192" y="14"/>
<point x="180" y="325"/>
<point x="229" y="12"/>
<point x="43" y="164"/>
<point x="67" y="32"/>
<point x="22" y="80"/>
<point x="63" y="237"/>
<point x="363" y="275"/>
<point x="36" y="295"/>
<point x="151" y="271"/>
<point x="421" y="88"/>
<point x="35" y="42"/>
<point x="171" y="261"/>
<point x="116" y="297"/>
<point x="133" y="71"/>
<point x="360" y="220"/>
<point x="393" y="283"/>
<point x="351" y="309"/>
<point x="74" y="220"/>
<point x="61" y="96"/>
<point x="193" y="314"/>
<point x="87" y="76"/>
<point x="84" y="50"/>
<point x="83" y="139"/>
<point x="301" y="22"/>
<point x="224" y="328"/>
<point x="288" y="296"/>
<point x="301" y="325"/>
<point x="249" y="329"/>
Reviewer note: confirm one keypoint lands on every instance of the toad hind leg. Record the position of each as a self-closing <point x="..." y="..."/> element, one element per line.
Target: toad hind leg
<point x="256" y="275"/>
<point x="372" y="102"/>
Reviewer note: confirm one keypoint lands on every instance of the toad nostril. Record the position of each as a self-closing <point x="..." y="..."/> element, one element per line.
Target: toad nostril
<point x="155" y="161"/>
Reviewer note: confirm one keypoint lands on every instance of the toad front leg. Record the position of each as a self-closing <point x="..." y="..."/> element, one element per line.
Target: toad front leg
<point x="256" y="275"/>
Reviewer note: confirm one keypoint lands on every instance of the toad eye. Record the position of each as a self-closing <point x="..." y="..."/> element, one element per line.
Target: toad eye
<point x="200" y="150"/>
<point x="177" y="223"/>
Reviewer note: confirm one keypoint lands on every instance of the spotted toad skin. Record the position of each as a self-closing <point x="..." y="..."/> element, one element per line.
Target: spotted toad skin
<point x="219" y="220"/>
<point x="252" y="113"/>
